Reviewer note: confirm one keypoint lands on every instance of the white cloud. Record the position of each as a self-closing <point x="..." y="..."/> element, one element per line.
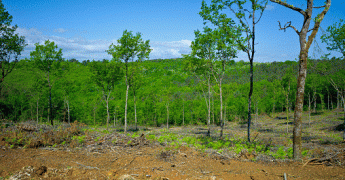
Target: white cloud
<point x="60" y="30"/>
<point x="83" y="49"/>
<point x="169" y="49"/>
<point x="269" y="7"/>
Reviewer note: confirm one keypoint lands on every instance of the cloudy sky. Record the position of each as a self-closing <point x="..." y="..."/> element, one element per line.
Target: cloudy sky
<point x="84" y="29"/>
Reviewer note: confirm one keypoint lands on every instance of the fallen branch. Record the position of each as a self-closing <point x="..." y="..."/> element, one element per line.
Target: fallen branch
<point x="309" y="161"/>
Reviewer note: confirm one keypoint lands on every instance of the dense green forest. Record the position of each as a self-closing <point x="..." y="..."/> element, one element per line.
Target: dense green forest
<point x="164" y="90"/>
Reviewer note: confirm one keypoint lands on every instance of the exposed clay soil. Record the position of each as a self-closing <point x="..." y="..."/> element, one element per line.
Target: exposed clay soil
<point x="149" y="162"/>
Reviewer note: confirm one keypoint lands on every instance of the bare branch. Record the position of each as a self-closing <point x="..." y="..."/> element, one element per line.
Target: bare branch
<point x="320" y="7"/>
<point x="290" y="6"/>
<point x="287" y="25"/>
<point x="318" y="20"/>
<point x="262" y="12"/>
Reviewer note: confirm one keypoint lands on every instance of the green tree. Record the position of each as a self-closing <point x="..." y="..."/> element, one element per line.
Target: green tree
<point x="106" y="74"/>
<point x="335" y="39"/>
<point x="11" y="44"/>
<point x="303" y="58"/>
<point x="46" y="58"/>
<point x="245" y="43"/>
<point x="129" y="47"/>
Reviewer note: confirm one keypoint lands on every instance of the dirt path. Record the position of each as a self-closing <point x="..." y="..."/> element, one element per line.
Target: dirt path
<point x="148" y="163"/>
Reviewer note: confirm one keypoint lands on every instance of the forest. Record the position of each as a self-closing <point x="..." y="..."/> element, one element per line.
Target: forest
<point x="205" y="87"/>
<point x="164" y="91"/>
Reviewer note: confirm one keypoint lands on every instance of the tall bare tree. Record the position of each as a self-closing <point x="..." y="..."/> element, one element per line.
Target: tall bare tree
<point x="303" y="57"/>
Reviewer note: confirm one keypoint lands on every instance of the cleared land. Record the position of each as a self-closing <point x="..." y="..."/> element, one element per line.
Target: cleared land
<point x="77" y="151"/>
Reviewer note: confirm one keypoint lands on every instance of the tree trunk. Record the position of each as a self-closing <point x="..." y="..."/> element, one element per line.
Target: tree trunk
<point x="297" y="131"/>
<point x="155" y="117"/>
<point x="167" y="115"/>
<point x="108" y="115"/>
<point x="213" y="110"/>
<point x="309" y="109"/>
<point x="251" y="59"/>
<point x="209" y="102"/>
<point x="250" y="98"/>
<point x="68" y="113"/>
<point x="221" y="108"/>
<point x="135" y="113"/>
<point x="315" y="97"/>
<point x="94" y="115"/>
<point x="183" y="113"/>
<point x="37" y="111"/>
<point x="125" y="130"/>
<point x="303" y="57"/>
<point x="337" y="99"/>
<point x="115" y="117"/>
<point x="328" y="100"/>
<point x="50" y="102"/>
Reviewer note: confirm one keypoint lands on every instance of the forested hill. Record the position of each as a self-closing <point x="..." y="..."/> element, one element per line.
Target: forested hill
<point x="163" y="90"/>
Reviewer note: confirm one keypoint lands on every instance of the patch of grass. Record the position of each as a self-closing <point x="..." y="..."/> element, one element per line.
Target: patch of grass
<point x="80" y="139"/>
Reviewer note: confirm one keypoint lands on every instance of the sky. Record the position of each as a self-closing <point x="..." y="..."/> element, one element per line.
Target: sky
<point x="84" y="29"/>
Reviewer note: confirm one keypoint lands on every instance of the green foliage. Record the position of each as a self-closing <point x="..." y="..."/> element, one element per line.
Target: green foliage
<point x="11" y="44"/>
<point x="46" y="55"/>
<point x="335" y="37"/>
<point x="80" y="139"/>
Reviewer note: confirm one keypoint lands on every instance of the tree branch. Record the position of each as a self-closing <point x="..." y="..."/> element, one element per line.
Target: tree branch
<point x="318" y="20"/>
<point x="320" y="7"/>
<point x="262" y="12"/>
<point x="287" y="25"/>
<point x="290" y="6"/>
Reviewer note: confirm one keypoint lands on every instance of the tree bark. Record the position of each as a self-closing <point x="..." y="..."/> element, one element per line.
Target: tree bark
<point x="303" y="57"/>
<point x="221" y="107"/>
<point x="125" y="130"/>
<point x="135" y="113"/>
<point x="251" y="59"/>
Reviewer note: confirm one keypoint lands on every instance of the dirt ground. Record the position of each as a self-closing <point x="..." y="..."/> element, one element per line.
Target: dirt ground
<point x="114" y="155"/>
<point x="152" y="162"/>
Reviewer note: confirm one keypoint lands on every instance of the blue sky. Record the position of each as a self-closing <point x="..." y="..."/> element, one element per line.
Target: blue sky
<point x="84" y="29"/>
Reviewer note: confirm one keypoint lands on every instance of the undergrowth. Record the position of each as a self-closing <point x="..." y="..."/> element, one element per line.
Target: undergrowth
<point x="233" y="145"/>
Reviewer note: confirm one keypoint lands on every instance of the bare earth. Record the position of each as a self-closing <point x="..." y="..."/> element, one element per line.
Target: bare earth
<point x="149" y="163"/>
<point x="117" y="156"/>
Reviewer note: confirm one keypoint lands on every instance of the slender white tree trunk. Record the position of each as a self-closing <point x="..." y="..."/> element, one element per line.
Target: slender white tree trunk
<point x="183" y="113"/>
<point x="125" y="130"/>
<point x="167" y="115"/>
<point x="209" y="102"/>
<point x="135" y="113"/>
<point x="221" y="108"/>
